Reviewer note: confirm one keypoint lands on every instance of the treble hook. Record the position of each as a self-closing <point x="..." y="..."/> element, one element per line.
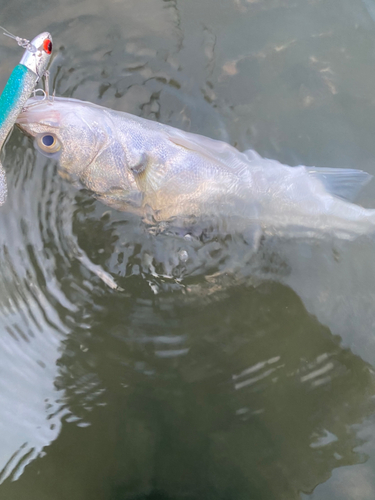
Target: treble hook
<point x="47" y="94"/>
<point x="46" y="82"/>
<point x="34" y="92"/>
<point x="44" y="93"/>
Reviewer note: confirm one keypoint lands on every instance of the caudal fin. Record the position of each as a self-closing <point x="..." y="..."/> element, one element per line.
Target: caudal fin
<point x="343" y="182"/>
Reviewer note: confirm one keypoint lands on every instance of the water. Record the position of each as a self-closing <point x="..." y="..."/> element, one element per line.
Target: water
<point x="214" y="373"/>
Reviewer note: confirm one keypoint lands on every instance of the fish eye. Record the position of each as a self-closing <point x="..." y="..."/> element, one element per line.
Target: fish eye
<point x="48" y="143"/>
<point x="48" y="140"/>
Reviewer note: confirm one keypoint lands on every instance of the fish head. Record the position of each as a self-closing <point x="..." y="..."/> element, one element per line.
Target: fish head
<point x="83" y="140"/>
<point x="61" y="133"/>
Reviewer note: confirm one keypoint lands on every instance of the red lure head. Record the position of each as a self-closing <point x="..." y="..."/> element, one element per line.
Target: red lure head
<point x="38" y="54"/>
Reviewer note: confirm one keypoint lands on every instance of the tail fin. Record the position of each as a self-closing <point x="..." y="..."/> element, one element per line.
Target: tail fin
<point x="343" y="182"/>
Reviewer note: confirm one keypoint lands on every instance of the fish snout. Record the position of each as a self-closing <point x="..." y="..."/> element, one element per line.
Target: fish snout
<point x="38" y="116"/>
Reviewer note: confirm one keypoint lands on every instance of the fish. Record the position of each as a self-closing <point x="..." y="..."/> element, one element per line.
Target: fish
<point x="20" y="85"/>
<point x="167" y="175"/>
<point x="296" y="226"/>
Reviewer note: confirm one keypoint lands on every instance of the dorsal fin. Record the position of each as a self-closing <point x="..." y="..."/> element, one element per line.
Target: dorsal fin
<point x="210" y="148"/>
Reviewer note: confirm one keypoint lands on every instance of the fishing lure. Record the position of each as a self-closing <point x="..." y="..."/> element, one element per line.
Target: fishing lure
<point x="32" y="66"/>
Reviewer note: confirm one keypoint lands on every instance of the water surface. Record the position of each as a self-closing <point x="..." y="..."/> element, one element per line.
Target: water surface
<point x="214" y="373"/>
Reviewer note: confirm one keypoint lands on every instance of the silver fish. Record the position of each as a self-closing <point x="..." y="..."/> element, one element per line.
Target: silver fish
<point x="162" y="173"/>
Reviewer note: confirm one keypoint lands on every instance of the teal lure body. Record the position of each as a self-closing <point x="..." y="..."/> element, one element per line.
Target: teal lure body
<point x="20" y="81"/>
<point x="19" y="88"/>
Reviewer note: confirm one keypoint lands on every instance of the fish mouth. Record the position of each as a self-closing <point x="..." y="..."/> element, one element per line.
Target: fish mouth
<point x="38" y="114"/>
<point x="24" y="130"/>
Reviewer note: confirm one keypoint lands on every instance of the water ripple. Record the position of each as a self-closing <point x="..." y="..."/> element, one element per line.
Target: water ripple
<point x="37" y="306"/>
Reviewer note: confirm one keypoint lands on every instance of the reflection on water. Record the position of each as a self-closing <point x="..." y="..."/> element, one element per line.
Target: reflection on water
<point x="183" y="409"/>
<point x="214" y="372"/>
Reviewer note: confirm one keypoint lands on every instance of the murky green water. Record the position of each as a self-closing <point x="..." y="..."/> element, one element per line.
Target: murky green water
<point x="257" y="385"/>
